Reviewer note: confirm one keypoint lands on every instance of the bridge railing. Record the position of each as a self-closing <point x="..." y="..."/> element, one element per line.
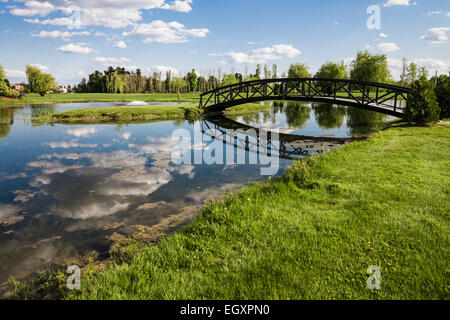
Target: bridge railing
<point x="333" y="90"/>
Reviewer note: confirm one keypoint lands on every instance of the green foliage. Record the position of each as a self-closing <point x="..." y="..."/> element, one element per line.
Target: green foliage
<point x="411" y="74"/>
<point x="368" y="67"/>
<point x="2" y="73"/>
<point x="298" y="70"/>
<point x="422" y="106"/>
<point x="229" y="79"/>
<point x="442" y="90"/>
<point x="192" y="80"/>
<point x="38" y="81"/>
<point x="6" y="91"/>
<point x="331" y="70"/>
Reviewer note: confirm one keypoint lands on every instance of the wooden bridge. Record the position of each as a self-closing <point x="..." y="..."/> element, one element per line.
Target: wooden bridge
<point x="384" y="98"/>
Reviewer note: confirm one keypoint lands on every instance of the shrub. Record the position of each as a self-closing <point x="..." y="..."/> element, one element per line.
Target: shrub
<point x="422" y="106"/>
<point x="6" y="91"/>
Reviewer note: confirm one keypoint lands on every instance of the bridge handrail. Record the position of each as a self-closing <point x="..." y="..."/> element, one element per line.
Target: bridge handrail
<point x="263" y="81"/>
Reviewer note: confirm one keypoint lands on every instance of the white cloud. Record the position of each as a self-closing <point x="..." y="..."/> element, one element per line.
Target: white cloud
<point x="163" y="69"/>
<point x="111" y="61"/>
<point x="82" y="132"/>
<point x="40" y="66"/>
<point x="65" y="35"/>
<point x="166" y="32"/>
<point x="120" y="44"/>
<point x="15" y="73"/>
<point x="383" y="35"/>
<point x="432" y="65"/>
<point x="276" y="52"/>
<point x="179" y="5"/>
<point x="436" y="35"/>
<point x="34" y="8"/>
<point x="108" y="13"/>
<point x="436" y="12"/>
<point x="388" y="47"/>
<point x="391" y="3"/>
<point x="74" y="48"/>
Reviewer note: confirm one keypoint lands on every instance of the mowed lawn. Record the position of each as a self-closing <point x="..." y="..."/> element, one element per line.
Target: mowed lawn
<point x="311" y="234"/>
<point x="103" y="97"/>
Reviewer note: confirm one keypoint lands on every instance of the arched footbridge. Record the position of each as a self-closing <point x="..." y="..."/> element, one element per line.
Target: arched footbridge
<point x="384" y="98"/>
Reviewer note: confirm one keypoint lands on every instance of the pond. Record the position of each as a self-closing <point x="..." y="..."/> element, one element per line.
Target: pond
<point x="73" y="192"/>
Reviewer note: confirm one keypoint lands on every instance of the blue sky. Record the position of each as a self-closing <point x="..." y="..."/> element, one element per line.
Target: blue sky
<point x="72" y="38"/>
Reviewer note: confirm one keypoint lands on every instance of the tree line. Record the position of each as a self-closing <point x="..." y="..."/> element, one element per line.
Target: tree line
<point x="365" y="67"/>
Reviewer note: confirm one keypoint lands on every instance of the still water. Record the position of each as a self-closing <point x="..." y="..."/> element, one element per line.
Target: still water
<point x="73" y="192"/>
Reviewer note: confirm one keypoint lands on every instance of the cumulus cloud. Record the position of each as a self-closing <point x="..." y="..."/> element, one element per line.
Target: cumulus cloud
<point x="436" y="35"/>
<point x="34" y="8"/>
<point x="388" y="47"/>
<point x="276" y="52"/>
<point x="74" y="48"/>
<point x="166" y="32"/>
<point x="15" y="73"/>
<point x="391" y="3"/>
<point x="40" y="66"/>
<point x="65" y="35"/>
<point x="383" y="35"/>
<point x="120" y="45"/>
<point x="108" y="13"/>
<point x="178" y="5"/>
<point x="432" y="65"/>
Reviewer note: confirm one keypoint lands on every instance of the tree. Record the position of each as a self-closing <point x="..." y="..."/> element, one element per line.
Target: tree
<point x="411" y="74"/>
<point x="442" y="90"/>
<point x="38" y="81"/>
<point x="274" y="71"/>
<point x="422" y="106"/>
<point x="404" y="72"/>
<point x="2" y="73"/>
<point x="168" y="80"/>
<point x="97" y="82"/>
<point x="298" y="70"/>
<point x="229" y="79"/>
<point x="192" y="80"/>
<point x="6" y="91"/>
<point x="258" y="71"/>
<point x="331" y="70"/>
<point x="119" y="82"/>
<point x="267" y="72"/>
<point x="368" y="67"/>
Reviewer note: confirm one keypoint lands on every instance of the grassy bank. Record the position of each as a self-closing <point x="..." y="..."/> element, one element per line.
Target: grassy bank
<point x="311" y="234"/>
<point x="139" y="113"/>
<point x="102" y="97"/>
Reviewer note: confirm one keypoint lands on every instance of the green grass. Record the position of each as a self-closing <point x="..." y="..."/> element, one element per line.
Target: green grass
<point x="311" y="234"/>
<point x="138" y="113"/>
<point x="125" y="113"/>
<point x="102" y="97"/>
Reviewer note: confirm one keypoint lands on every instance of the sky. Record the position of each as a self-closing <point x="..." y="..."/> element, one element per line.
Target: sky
<point x="72" y="38"/>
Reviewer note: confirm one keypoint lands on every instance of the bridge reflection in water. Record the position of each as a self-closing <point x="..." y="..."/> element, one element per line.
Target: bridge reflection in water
<point x="262" y="142"/>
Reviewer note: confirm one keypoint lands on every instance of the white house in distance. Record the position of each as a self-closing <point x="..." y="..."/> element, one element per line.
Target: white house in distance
<point x="62" y="89"/>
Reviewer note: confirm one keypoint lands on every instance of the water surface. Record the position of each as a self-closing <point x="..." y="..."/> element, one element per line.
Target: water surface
<point x="68" y="192"/>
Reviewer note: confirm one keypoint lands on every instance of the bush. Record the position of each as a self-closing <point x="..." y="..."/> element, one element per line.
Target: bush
<point x="422" y="106"/>
<point x="6" y="91"/>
